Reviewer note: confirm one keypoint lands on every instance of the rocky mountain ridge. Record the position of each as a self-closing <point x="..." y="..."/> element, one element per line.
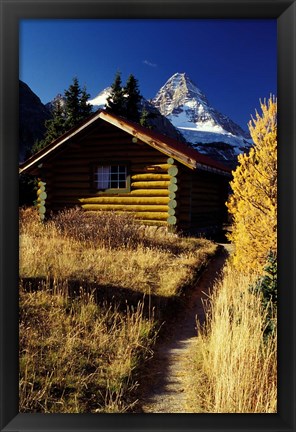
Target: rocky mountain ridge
<point x="157" y="121"/>
<point x="206" y="129"/>
<point x="179" y="110"/>
<point x="186" y="114"/>
<point x="52" y="104"/>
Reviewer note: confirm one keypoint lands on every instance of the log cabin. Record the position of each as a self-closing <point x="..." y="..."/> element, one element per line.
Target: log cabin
<point x="108" y="163"/>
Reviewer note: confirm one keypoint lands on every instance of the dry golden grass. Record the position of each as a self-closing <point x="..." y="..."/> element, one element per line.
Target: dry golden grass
<point x="77" y="356"/>
<point x="109" y="250"/>
<point x="235" y="366"/>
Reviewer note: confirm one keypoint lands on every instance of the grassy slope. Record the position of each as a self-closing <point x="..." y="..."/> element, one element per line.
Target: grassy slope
<point x="76" y="355"/>
<point x="114" y="251"/>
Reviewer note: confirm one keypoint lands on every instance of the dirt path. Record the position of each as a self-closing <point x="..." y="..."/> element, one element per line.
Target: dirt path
<point x="166" y="380"/>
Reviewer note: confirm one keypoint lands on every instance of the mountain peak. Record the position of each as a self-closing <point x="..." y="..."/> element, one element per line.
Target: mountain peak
<point x="101" y="99"/>
<point x="188" y="109"/>
<point x="177" y="91"/>
<point x="182" y="79"/>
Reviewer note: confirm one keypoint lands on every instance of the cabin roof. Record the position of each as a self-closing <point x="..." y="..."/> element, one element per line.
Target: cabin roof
<point x="178" y="150"/>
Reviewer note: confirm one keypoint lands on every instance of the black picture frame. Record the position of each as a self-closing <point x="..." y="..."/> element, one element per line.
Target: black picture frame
<point x="11" y="12"/>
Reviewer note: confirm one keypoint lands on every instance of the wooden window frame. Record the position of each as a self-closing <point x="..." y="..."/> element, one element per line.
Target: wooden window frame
<point x="110" y="162"/>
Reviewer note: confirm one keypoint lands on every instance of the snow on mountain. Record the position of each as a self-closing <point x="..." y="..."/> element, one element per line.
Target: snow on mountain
<point x="100" y="100"/>
<point x="157" y="121"/>
<point x="181" y="111"/>
<point x="211" y="132"/>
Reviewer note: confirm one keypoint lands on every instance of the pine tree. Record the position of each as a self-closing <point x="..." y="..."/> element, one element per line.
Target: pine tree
<point x="55" y="127"/>
<point x="85" y="107"/>
<point x="147" y="115"/>
<point x="144" y="119"/>
<point x="115" y="102"/>
<point x="77" y="108"/>
<point x="125" y="101"/>
<point x="133" y="99"/>
<point x="266" y="285"/>
<point x="65" y="117"/>
<point x="253" y="204"/>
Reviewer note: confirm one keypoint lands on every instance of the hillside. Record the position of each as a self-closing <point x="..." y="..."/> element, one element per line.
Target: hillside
<point x="32" y="116"/>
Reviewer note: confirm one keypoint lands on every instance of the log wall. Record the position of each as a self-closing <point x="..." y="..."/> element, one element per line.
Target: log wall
<point x="208" y="197"/>
<point x="183" y="198"/>
<point x="162" y="191"/>
<point x="71" y="175"/>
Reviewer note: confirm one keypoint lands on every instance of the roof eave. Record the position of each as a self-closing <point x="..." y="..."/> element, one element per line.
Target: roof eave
<point x="153" y="142"/>
<point x="213" y="170"/>
<point x="33" y="160"/>
<point x="31" y="165"/>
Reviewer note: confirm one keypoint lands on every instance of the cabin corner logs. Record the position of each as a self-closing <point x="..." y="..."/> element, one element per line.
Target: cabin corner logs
<point x="152" y="197"/>
<point x="163" y="193"/>
<point x="41" y="197"/>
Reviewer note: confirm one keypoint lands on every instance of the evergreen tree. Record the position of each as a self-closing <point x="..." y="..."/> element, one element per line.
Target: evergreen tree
<point x="133" y="99"/>
<point x="266" y="285"/>
<point x="85" y="107"/>
<point x="144" y="119"/>
<point x="77" y="108"/>
<point x="253" y="204"/>
<point x="146" y="116"/>
<point x="115" y="102"/>
<point x="125" y="101"/>
<point x="55" y="127"/>
<point x="72" y="96"/>
<point x="65" y="117"/>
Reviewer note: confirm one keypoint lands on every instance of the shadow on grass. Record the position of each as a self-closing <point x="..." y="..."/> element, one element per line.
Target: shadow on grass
<point x="177" y="313"/>
<point x="159" y="307"/>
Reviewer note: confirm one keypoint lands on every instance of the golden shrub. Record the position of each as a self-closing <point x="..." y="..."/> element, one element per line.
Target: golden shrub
<point x="253" y="204"/>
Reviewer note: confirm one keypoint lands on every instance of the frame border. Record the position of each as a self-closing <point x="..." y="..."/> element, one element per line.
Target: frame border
<point x="11" y="11"/>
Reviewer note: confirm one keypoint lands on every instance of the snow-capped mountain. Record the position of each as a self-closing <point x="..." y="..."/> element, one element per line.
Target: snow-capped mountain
<point x="157" y="121"/>
<point x="180" y="110"/>
<point x="209" y="131"/>
<point x="100" y="100"/>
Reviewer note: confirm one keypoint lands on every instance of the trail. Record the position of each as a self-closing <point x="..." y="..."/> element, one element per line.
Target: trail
<point x="165" y="387"/>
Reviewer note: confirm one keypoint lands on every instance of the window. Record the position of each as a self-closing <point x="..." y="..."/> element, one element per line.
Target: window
<point x="110" y="177"/>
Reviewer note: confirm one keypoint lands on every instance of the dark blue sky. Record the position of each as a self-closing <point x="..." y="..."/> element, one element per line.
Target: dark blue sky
<point x="233" y="62"/>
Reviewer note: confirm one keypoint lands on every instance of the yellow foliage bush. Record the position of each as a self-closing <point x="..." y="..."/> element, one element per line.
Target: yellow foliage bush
<point x="253" y="204"/>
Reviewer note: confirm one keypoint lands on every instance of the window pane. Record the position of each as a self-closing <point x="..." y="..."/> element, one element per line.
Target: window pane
<point x="110" y="177"/>
<point x="103" y="180"/>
